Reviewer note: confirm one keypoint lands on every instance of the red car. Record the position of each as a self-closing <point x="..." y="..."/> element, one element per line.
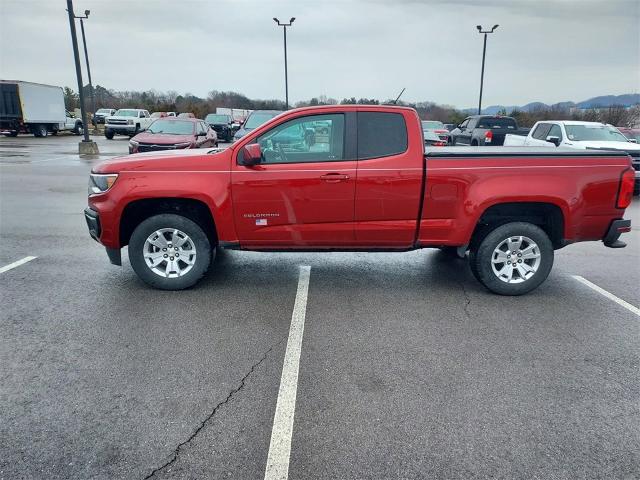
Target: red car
<point x="170" y="133"/>
<point x="632" y="134"/>
<point x="368" y="184"/>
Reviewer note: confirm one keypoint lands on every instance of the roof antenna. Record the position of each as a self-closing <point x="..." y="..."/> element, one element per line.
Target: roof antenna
<point x="395" y="102"/>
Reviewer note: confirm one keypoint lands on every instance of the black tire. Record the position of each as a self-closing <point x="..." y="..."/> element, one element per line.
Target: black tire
<point x="481" y="255"/>
<point x="11" y="134"/>
<point x="77" y="130"/>
<point x="474" y="143"/>
<point x="452" y="141"/>
<point x="108" y="134"/>
<point x="204" y="252"/>
<point x="40" y="130"/>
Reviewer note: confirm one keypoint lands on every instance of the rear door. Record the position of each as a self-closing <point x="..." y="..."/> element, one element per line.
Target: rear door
<point x="302" y="193"/>
<point x="390" y="172"/>
<point x="465" y="135"/>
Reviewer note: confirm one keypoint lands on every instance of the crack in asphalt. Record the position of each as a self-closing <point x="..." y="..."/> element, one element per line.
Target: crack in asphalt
<point x="176" y="452"/>
<point x="467" y="298"/>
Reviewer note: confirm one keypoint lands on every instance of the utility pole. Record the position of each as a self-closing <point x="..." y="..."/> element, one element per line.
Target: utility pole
<point x="86" y="147"/>
<point x="286" y="79"/>
<point x="484" y="52"/>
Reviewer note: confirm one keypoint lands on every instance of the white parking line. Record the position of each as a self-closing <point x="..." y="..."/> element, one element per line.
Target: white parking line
<point x="610" y="296"/>
<point x="16" y="264"/>
<point x="280" y="446"/>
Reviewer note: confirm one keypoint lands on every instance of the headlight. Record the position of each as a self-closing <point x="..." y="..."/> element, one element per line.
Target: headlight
<point x="99" y="183"/>
<point x="129" y="122"/>
<point x="183" y="145"/>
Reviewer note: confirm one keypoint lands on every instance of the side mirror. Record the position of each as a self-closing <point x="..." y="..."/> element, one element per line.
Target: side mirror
<point x="554" y="140"/>
<point x="633" y="140"/>
<point x="251" y="154"/>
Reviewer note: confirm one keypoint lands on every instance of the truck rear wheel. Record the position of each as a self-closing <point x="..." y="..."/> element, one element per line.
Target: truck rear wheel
<point x="513" y="259"/>
<point x="40" y="130"/>
<point x="78" y="130"/>
<point x="170" y="252"/>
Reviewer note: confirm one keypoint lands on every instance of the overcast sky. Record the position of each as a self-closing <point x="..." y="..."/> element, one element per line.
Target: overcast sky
<point x="546" y="51"/>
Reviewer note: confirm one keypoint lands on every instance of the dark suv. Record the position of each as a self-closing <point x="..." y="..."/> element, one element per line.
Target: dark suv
<point x="222" y="124"/>
<point x="481" y="130"/>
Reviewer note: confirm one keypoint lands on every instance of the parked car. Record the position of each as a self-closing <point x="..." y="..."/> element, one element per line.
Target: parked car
<point x="367" y="186"/>
<point x="581" y="136"/>
<point x="186" y="115"/>
<point x="632" y="134"/>
<point x="127" y="121"/>
<point x="174" y="134"/>
<point x="102" y="113"/>
<point x="431" y="138"/>
<point x="222" y="124"/>
<point x="437" y="128"/>
<point x="485" y="130"/>
<point x="159" y="115"/>
<point x="254" y="120"/>
<point x="27" y="107"/>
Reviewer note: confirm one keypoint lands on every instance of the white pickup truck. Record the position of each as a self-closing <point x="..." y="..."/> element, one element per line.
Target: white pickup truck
<point x="127" y="121"/>
<point x="579" y="135"/>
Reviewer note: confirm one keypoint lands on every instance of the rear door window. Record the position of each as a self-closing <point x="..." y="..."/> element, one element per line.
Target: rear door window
<point x="497" y="123"/>
<point x="381" y="134"/>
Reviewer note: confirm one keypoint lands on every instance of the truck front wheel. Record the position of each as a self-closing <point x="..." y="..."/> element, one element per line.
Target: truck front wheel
<point x="170" y="252"/>
<point x="108" y="134"/>
<point x="512" y="259"/>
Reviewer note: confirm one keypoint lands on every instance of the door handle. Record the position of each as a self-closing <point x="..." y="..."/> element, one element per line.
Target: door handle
<point x="334" y="177"/>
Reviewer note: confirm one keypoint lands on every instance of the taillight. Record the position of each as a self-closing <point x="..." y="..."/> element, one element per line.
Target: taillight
<point x="488" y="136"/>
<point x="625" y="193"/>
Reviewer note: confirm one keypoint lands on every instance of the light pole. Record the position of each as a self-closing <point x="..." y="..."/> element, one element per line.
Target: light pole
<point x="286" y="79"/>
<point x="86" y="146"/>
<point x="86" y="58"/>
<point x="484" y="52"/>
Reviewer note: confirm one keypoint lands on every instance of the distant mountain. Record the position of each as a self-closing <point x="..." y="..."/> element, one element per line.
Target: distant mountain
<point x="603" y="101"/>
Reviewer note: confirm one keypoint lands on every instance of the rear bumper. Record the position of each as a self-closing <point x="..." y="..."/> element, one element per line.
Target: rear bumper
<point x="617" y="228"/>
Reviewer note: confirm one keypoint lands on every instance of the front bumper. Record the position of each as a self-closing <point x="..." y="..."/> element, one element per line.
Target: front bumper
<point x="617" y="228"/>
<point x="93" y="223"/>
<point x="121" y="129"/>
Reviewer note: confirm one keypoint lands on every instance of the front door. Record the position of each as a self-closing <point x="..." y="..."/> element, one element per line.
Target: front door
<point x="301" y="195"/>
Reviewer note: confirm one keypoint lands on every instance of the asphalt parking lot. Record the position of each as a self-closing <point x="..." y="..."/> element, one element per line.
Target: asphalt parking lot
<point x="408" y="368"/>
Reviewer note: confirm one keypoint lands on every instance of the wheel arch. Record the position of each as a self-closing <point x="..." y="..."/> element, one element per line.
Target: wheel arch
<point x="547" y="215"/>
<point x="137" y="211"/>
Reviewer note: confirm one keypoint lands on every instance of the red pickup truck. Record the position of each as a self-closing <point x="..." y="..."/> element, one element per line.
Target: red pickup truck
<point x="355" y="178"/>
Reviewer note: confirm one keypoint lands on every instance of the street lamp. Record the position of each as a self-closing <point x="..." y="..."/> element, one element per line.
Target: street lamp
<point x="484" y="51"/>
<point x="86" y="57"/>
<point x="86" y="146"/>
<point x="286" y="79"/>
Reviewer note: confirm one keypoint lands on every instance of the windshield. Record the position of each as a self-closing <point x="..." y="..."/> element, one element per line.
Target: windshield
<point x="103" y="110"/>
<point x="214" y="118"/>
<point x="172" y="127"/>
<point x="126" y="113"/>
<point x="497" y="122"/>
<point x="432" y="125"/>
<point x="594" y="133"/>
<point x="258" y="118"/>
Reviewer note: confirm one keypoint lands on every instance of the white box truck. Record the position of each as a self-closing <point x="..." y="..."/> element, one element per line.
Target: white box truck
<point x="27" y="107"/>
